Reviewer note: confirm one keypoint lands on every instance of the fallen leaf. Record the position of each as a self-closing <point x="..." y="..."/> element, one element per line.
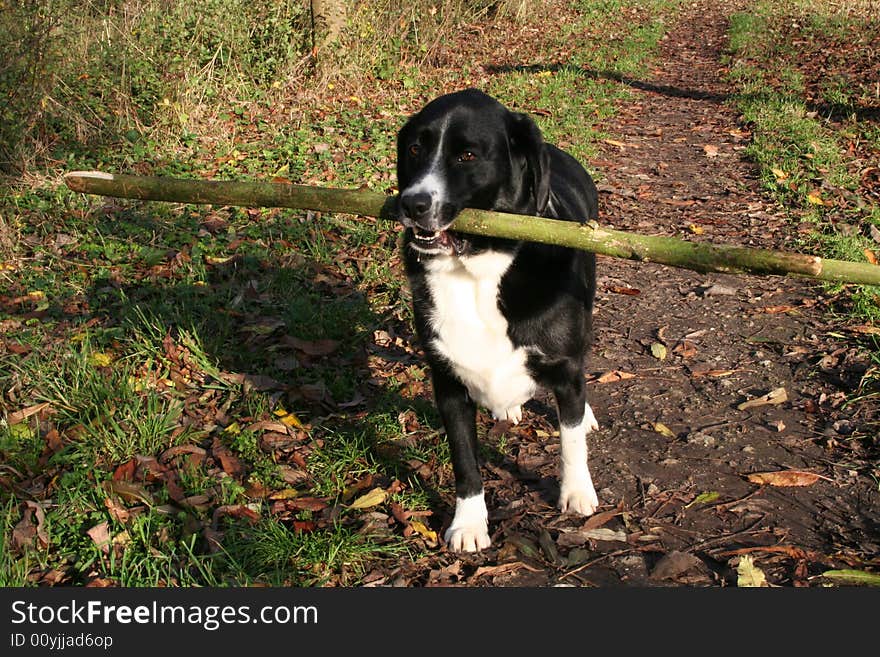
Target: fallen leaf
<point x="704" y="498"/>
<point x="774" y="397"/>
<point x="696" y="230"/>
<point x="17" y="417"/>
<point x="780" y="174"/>
<point x="663" y="430"/>
<point x="629" y="291"/>
<point x="604" y="534"/>
<point x="501" y="569"/>
<point x="814" y="198"/>
<point x="118" y="512"/>
<point x="865" y="329"/>
<point x="27" y="528"/>
<point x="422" y="529"/>
<point x="775" y="310"/>
<point x="614" y="142"/>
<point x="675" y="564"/>
<point x="870" y="256"/>
<point x="748" y="574"/>
<point x="230" y="463"/>
<point x="614" y="376"/>
<point x="658" y="351"/>
<point x="710" y="150"/>
<point x="685" y="349"/>
<point x="100" y="535"/>
<point x="784" y="478"/>
<point x="374" y="498"/>
<point x="599" y="519"/>
<point x="306" y="504"/>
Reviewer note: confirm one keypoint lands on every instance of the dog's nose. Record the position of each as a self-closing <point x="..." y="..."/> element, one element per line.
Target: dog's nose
<point x="415" y="205"/>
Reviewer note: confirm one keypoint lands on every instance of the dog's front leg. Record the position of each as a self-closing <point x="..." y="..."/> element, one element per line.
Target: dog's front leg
<point x="576" y="420"/>
<point x="469" y="531"/>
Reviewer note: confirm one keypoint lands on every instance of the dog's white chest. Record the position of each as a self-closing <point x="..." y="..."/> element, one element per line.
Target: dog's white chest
<point x="472" y="331"/>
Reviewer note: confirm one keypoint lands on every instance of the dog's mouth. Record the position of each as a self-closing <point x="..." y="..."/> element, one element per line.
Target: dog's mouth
<point x="437" y="241"/>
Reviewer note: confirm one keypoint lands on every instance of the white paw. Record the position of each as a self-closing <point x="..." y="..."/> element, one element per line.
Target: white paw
<point x="515" y="415"/>
<point x="467" y="539"/>
<point x="590" y="423"/>
<point x="580" y="498"/>
<point x="469" y="531"/>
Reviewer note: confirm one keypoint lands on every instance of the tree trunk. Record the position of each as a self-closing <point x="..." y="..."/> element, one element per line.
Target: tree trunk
<point x="328" y="19"/>
<point x="698" y="256"/>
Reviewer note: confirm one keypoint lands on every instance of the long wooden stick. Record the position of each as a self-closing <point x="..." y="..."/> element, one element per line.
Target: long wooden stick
<point x="699" y="256"/>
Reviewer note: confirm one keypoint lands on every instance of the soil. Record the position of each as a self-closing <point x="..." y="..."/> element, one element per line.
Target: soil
<point x="671" y="459"/>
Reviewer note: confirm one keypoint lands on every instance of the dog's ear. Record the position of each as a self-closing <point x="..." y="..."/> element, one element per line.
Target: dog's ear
<point x="526" y="141"/>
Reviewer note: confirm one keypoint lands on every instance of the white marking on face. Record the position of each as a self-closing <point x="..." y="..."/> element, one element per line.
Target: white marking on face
<point x="472" y="331"/>
<point x="433" y="180"/>
<point x="575" y="483"/>
<point x="469" y="531"/>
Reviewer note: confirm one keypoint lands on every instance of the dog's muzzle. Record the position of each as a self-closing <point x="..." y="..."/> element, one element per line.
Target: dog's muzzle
<point x="429" y="222"/>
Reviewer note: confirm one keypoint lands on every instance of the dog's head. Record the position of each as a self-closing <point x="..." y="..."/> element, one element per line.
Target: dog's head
<point x="466" y="150"/>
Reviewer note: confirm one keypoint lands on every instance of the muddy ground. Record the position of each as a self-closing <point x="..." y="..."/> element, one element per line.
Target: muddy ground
<point x="671" y="459"/>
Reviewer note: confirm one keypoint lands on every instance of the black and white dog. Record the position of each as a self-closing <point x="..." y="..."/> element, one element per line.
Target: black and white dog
<point x="497" y="318"/>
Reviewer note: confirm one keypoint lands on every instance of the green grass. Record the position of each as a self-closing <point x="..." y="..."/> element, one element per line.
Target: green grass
<point x="145" y="327"/>
<point x="803" y="150"/>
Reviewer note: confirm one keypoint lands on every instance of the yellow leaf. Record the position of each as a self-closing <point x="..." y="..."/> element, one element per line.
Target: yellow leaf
<point x="815" y="199"/>
<point x="217" y="260"/>
<point x="696" y="230"/>
<point x="658" y="351"/>
<point x="100" y="359"/>
<point x="663" y="430"/>
<point x="748" y="574"/>
<point x="420" y="527"/>
<point x="36" y="295"/>
<point x="234" y="429"/>
<point x="373" y="498"/>
<point x="292" y="420"/>
<point x="780" y="174"/>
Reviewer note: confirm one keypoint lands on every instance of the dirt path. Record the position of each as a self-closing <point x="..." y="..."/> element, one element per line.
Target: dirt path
<point x="671" y="457"/>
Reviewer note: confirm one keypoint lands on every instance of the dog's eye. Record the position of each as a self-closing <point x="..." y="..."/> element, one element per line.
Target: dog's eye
<point x="467" y="156"/>
<point x="414" y="150"/>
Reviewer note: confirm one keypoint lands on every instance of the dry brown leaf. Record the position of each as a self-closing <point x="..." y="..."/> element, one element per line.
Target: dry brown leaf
<point x="774" y="397"/>
<point x="710" y="150"/>
<point x="118" y="512"/>
<point x="100" y="535"/>
<point x="866" y="329"/>
<point x="228" y="461"/>
<point x="629" y="291"/>
<point x="599" y="519"/>
<point x="784" y="478"/>
<point x="870" y="256"/>
<point x="615" y="375"/>
<point x="23" y="414"/>
<point x="774" y="310"/>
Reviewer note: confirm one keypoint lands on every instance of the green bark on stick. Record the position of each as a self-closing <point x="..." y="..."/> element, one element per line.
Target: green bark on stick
<point x="698" y="256"/>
